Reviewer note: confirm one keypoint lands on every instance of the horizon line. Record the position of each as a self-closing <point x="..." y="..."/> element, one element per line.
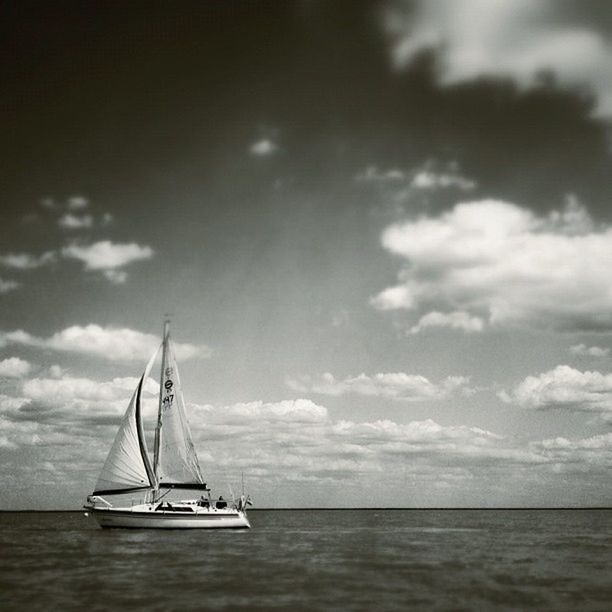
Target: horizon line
<point x="360" y="508"/>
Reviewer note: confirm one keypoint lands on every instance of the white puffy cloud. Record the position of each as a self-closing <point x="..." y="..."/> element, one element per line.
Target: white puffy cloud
<point x="106" y="342"/>
<point x="582" y="350"/>
<point x="7" y="285"/>
<point x="517" y="39"/>
<point x="71" y="221"/>
<point x="563" y="387"/>
<point x="391" y="385"/>
<point x="14" y="367"/>
<point x="264" y="147"/>
<point x="27" y="261"/>
<point x="504" y="264"/>
<point x="453" y="320"/>
<point x="107" y="255"/>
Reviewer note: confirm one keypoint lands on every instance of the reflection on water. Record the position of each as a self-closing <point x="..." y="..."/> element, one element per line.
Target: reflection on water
<point x="314" y="560"/>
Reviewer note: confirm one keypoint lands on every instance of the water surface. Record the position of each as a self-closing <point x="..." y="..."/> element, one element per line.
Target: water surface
<point x="314" y="560"/>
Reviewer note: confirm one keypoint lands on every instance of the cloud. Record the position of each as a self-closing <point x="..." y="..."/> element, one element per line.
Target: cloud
<point x="431" y="176"/>
<point x="55" y="371"/>
<point x="107" y="257"/>
<point x="13" y="367"/>
<point x="453" y="320"/>
<point x="397" y="386"/>
<point x="61" y="409"/>
<point x="77" y="203"/>
<point x="504" y="264"/>
<point x="282" y="438"/>
<point x="563" y="387"/>
<point x="82" y="398"/>
<point x="433" y="181"/>
<point x="48" y="203"/>
<point x="373" y="174"/>
<point x="284" y="412"/>
<point x="72" y="214"/>
<point x="70" y="221"/>
<point x="7" y="285"/>
<point x="517" y="39"/>
<point x="115" y="344"/>
<point x="58" y="391"/>
<point x="264" y="147"/>
<point x="295" y="443"/>
<point x="397" y="189"/>
<point x="118" y="277"/>
<point x="580" y="454"/>
<point x="27" y="261"/>
<point x="582" y="350"/>
<point x="73" y="203"/>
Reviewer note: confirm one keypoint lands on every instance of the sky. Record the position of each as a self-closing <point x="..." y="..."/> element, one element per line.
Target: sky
<point x="382" y="232"/>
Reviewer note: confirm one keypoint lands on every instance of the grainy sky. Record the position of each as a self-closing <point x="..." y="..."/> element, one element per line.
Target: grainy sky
<point x="383" y="231"/>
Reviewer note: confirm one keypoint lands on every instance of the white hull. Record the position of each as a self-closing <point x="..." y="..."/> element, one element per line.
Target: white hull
<point x="143" y="518"/>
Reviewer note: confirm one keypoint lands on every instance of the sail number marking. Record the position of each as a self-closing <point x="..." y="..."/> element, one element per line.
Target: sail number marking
<point x="169" y="397"/>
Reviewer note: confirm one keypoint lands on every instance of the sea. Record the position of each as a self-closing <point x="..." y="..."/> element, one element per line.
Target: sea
<point x="332" y="560"/>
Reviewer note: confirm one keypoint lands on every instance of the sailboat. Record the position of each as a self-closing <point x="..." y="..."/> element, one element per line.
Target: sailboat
<point x="128" y="468"/>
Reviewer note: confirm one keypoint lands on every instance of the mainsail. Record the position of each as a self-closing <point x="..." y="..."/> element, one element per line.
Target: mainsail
<point x="176" y="460"/>
<point x="128" y="467"/>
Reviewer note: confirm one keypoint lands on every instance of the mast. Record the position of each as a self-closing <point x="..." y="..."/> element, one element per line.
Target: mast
<point x="158" y="433"/>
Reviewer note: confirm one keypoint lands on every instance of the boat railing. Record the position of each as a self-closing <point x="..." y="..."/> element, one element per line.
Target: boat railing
<point x="93" y="500"/>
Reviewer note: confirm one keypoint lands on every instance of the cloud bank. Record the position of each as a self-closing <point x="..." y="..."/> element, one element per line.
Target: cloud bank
<point x="288" y="443"/>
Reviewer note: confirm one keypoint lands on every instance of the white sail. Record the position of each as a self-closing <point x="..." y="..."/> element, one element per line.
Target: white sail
<point x="177" y="461"/>
<point x="127" y="466"/>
